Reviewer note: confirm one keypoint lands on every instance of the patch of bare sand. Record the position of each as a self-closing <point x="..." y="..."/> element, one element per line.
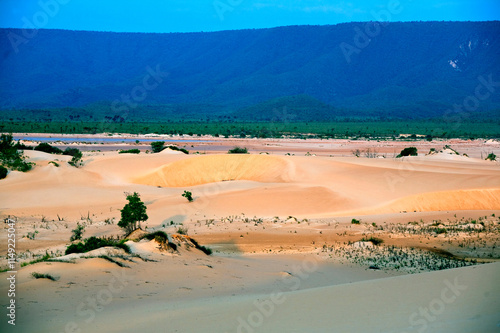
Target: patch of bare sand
<point x="442" y="201"/>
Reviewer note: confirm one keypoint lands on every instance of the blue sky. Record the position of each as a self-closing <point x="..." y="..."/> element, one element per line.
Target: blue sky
<point x="214" y="15"/>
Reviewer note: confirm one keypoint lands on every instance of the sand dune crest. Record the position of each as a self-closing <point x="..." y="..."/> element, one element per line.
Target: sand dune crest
<point x="217" y="168"/>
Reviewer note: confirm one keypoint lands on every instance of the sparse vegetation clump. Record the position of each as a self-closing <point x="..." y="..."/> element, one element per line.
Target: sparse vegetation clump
<point x="202" y="248"/>
<point x="373" y="240"/>
<point x="188" y="195"/>
<point x="411" y="260"/>
<point x="10" y="158"/>
<point x="185" y="151"/>
<point x="162" y="239"/>
<point x="354" y="221"/>
<point x="54" y="163"/>
<point x="162" y="235"/>
<point x="76" y="161"/>
<point x="130" y="151"/>
<point x="410" y="151"/>
<point x="77" y="233"/>
<point x="491" y="157"/>
<point x="46" y="257"/>
<point x="238" y="150"/>
<point x="182" y="230"/>
<point x="37" y="275"/>
<point x="93" y="243"/>
<point x="114" y="261"/>
<point x="46" y="148"/>
<point x="157" y="146"/>
<point x="133" y="213"/>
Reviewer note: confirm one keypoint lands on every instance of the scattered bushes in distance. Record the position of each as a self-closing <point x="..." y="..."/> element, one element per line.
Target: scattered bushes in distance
<point x="238" y="150"/>
<point x="354" y="221"/>
<point x="46" y="148"/>
<point x="130" y="151"/>
<point x="93" y="243"/>
<point x="158" y="146"/>
<point x="22" y="146"/>
<point x="188" y="195"/>
<point x="178" y="149"/>
<point x="410" y="151"/>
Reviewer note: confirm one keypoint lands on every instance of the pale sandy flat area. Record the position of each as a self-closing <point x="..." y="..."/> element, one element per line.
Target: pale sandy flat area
<point x="280" y="227"/>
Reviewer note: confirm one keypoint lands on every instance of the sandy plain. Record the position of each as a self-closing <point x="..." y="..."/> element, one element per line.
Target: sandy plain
<point x="286" y="255"/>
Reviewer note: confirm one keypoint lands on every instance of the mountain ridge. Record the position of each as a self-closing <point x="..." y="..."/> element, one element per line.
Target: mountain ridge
<point x="410" y="69"/>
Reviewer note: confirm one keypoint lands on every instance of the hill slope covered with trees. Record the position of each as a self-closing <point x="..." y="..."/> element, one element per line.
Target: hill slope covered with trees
<point x="407" y="70"/>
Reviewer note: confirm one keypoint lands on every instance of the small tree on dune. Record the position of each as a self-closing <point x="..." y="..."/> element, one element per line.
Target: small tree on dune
<point x="133" y="213"/>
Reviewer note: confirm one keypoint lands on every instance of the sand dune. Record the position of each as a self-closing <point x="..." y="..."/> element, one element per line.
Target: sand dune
<point x="218" y="168"/>
<point x="444" y="201"/>
<point x="166" y="291"/>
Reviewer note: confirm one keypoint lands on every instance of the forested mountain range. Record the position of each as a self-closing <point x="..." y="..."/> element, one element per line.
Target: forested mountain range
<point x="397" y="70"/>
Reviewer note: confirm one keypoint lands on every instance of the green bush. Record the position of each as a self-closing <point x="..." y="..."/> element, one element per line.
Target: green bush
<point x="410" y="151"/>
<point x="354" y="221"/>
<point x="93" y="243"/>
<point x="10" y="157"/>
<point x="238" y="150"/>
<point x="46" y="257"/>
<point x="178" y="149"/>
<point x="440" y="231"/>
<point x="161" y="238"/>
<point x="54" y="163"/>
<point x="76" y="161"/>
<point x="3" y="172"/>
<point x="46" y="148"/>
<point x="77" y="233"/>
<point x="491" y="157"/>
<point x="130" y="151"/>
<point x="153" y="235"/>
<point x="22" y="146"/>
<point x="374" y="240"/>
<point x="157" y="146"/>
<point x="72" y="152"/>
<point x="188" y="195"/>
<point x="43" y="276"/>
<point x="182" y="230"/>
<point x="204" y="249"/>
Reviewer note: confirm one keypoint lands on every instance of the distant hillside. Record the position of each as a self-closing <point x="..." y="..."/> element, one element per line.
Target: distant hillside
<point x="409" y="70"/>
